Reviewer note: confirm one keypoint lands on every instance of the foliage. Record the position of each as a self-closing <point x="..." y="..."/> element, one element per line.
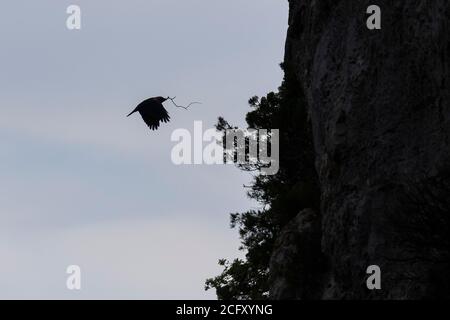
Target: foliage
<point x="281" y="196"/>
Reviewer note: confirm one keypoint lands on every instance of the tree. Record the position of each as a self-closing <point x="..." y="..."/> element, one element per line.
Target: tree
<point x="281" y="196"/>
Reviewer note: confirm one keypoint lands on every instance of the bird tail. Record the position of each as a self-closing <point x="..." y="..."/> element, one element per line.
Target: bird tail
<point x="132" y="112"/>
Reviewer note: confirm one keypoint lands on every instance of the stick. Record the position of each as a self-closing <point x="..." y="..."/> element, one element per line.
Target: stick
<point x="190" y="104"/>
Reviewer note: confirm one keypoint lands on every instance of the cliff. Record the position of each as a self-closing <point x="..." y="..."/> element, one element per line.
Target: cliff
<point x="378" y="101"/>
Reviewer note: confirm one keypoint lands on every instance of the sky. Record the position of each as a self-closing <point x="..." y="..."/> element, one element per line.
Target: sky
<point x="81" y="184"/>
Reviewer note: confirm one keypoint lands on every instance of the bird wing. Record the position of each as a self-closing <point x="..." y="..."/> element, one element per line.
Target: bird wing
<point x="153" y="113"/>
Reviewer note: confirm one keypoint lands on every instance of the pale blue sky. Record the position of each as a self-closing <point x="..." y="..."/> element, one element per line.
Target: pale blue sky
<point x="81" y="183"/>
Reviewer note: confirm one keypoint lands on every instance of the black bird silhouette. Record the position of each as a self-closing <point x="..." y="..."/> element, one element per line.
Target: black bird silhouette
<point x="152" y="112"/>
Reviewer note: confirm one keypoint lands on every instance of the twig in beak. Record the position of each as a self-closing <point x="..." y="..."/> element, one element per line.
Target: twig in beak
<point x="190" y="104"/>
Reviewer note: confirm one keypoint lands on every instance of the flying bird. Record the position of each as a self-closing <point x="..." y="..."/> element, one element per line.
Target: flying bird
<point x="152" y="112"/>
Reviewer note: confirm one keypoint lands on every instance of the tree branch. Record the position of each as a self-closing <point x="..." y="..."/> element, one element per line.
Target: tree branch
<point x="190" y="104"/>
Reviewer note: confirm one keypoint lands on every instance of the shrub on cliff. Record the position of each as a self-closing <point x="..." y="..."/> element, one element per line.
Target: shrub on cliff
<point x="281" y="196"/>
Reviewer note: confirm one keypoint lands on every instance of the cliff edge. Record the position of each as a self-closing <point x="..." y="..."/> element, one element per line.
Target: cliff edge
<point x="379" y="105"/>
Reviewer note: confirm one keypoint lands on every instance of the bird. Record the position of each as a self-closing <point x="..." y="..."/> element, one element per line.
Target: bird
<point x="152" y="112"/>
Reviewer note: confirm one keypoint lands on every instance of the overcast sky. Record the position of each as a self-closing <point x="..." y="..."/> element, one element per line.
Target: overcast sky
<point x="82" y="184"/>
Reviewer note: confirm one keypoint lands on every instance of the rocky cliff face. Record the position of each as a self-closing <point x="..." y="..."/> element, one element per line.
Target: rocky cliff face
<point x="379" y="102"/>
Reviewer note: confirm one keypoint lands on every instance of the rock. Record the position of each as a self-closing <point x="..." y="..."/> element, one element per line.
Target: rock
<point x="380" y="111"/>
<point x="296" y="259"/>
